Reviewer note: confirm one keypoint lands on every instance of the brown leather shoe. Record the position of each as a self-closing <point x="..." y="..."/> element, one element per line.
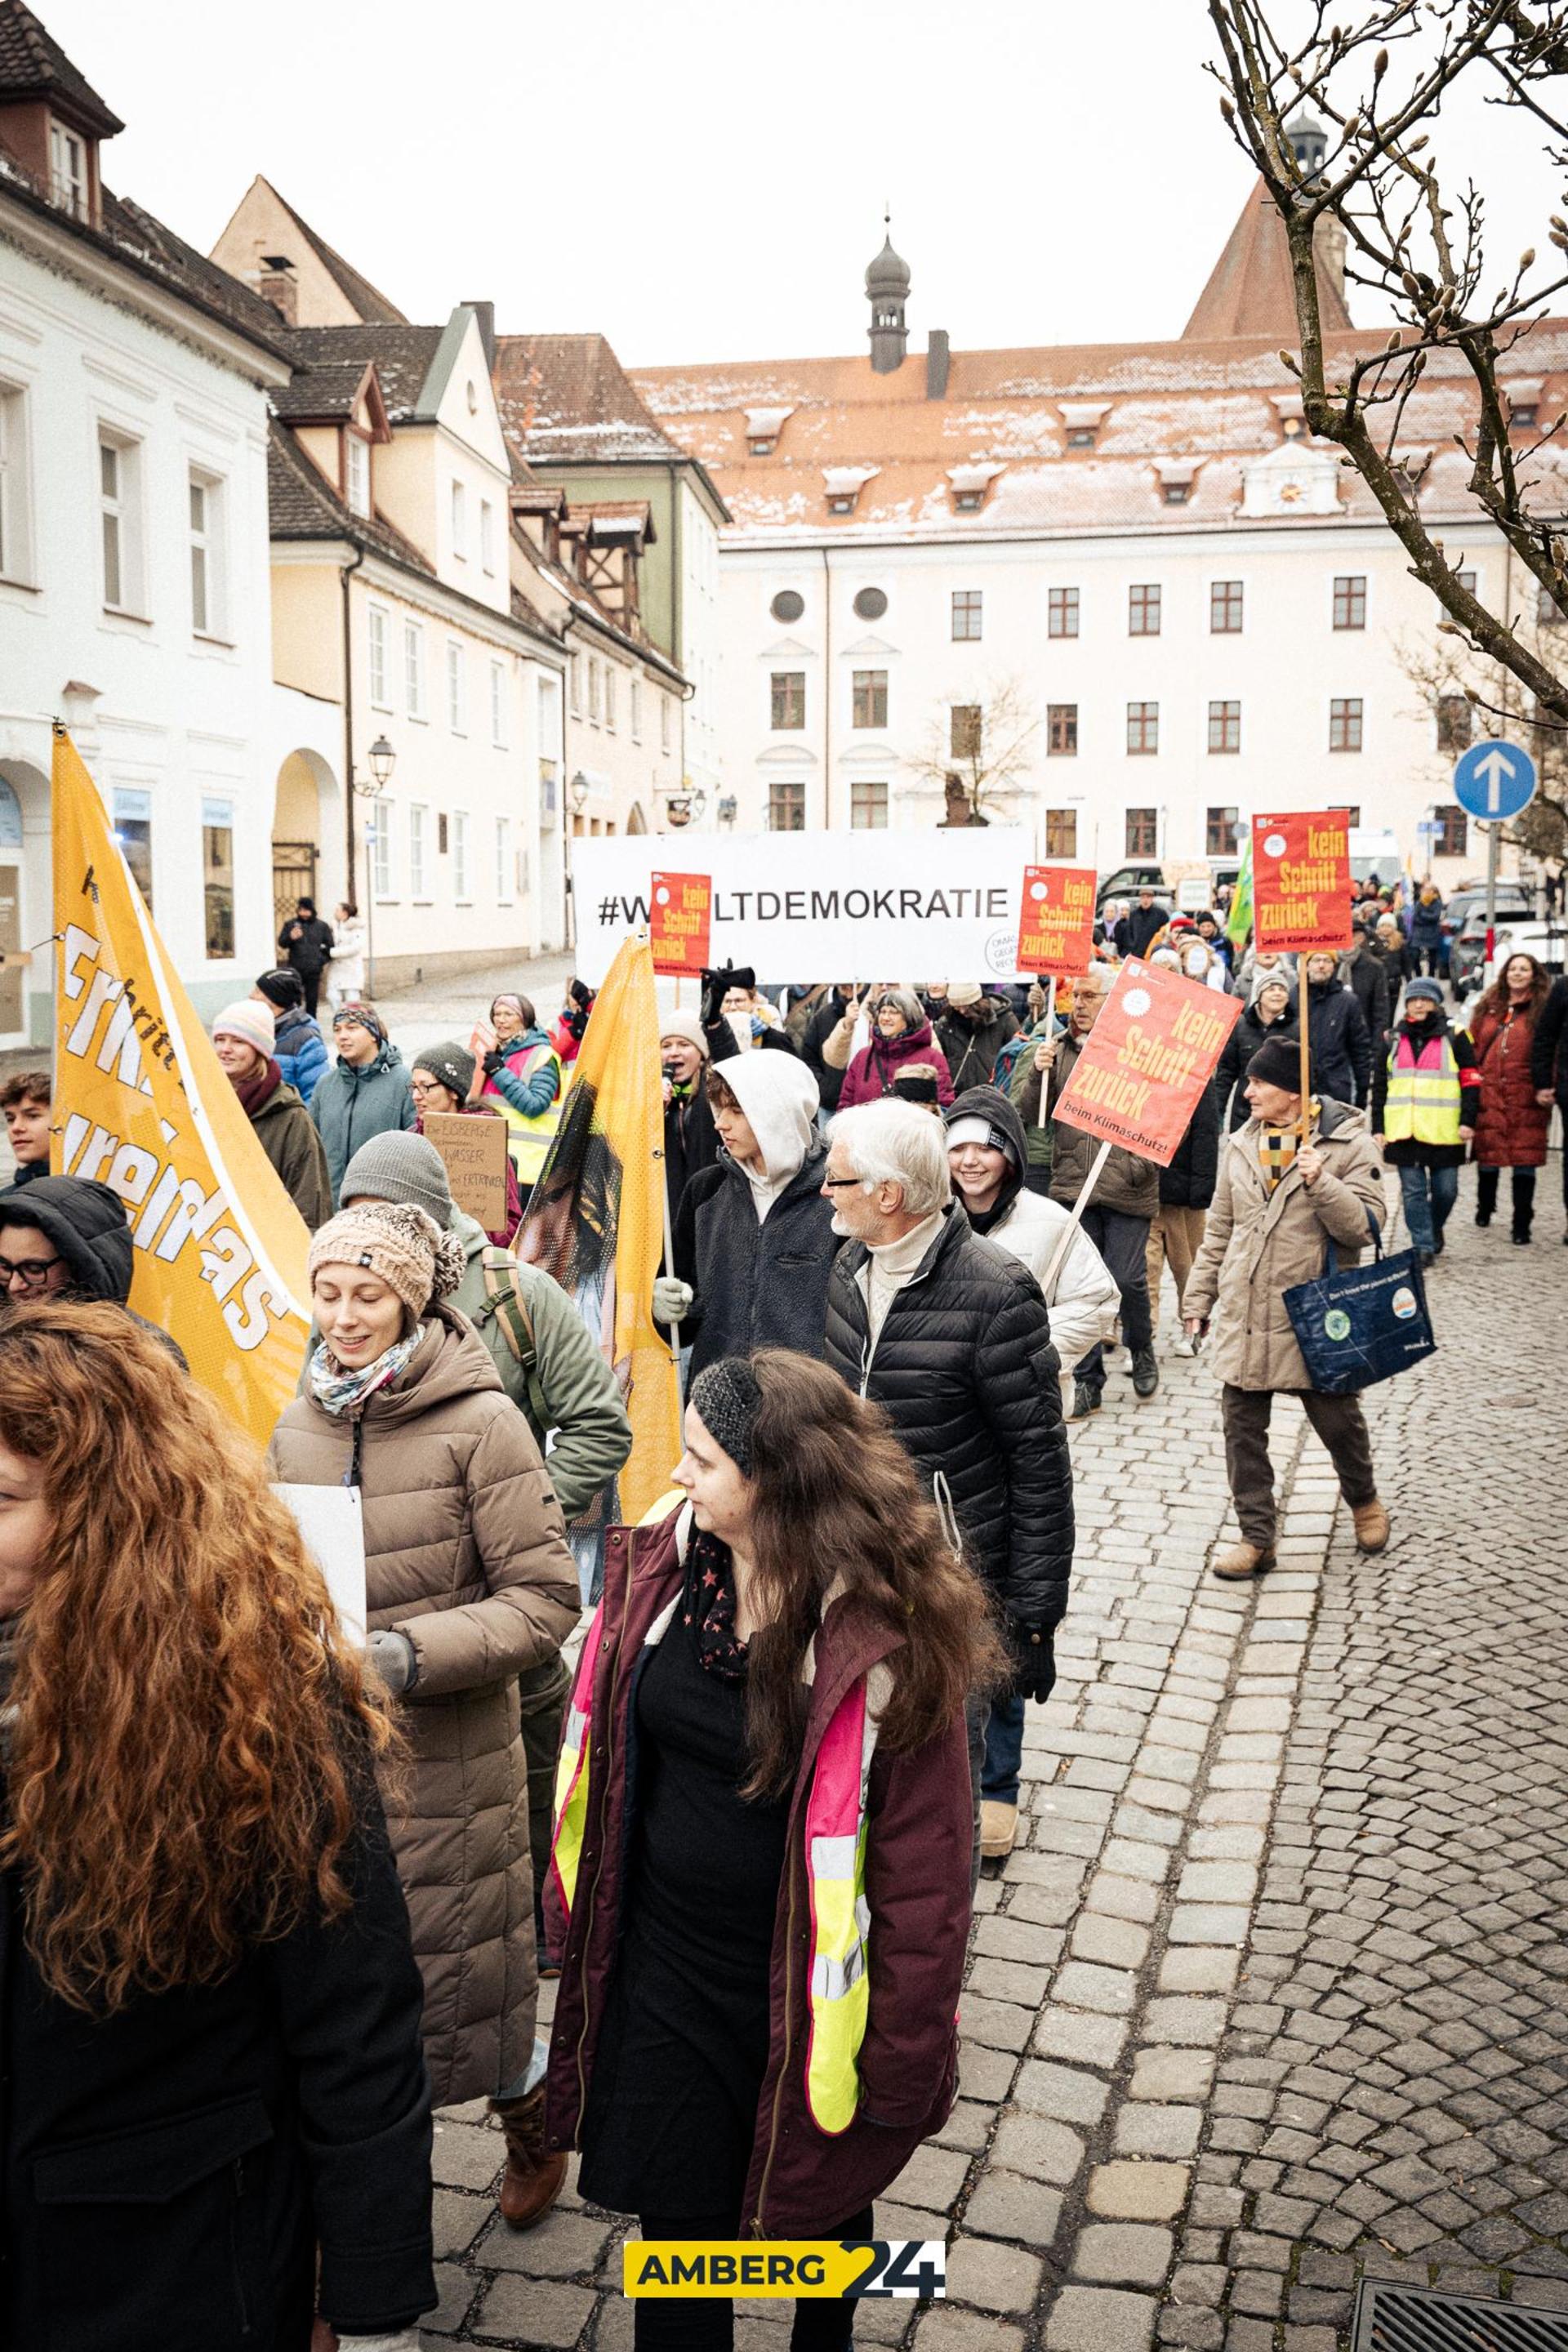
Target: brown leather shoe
<point x="532" y="2178"/>
<point x="998" y="1829"/>
<point x="1243" y="1560"/>
<point x="1371" y="1526"/>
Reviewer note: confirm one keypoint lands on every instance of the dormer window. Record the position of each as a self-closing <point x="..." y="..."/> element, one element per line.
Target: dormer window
<point x="844" y="485"/>
<point x="1523" y="398"/>
<point x="1081" y="420"/>
<point x="1288" y="415"/>
<point x="969" y="484"/>
<point x="67" y="171"/>
<point x="358" y="474"/>
<point x="1176" y="476"/>
<point x="763" y="426"/>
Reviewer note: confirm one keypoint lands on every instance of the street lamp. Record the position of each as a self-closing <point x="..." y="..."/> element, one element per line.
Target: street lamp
<point x="577" y="792"/>
<point x="383" y="760"/>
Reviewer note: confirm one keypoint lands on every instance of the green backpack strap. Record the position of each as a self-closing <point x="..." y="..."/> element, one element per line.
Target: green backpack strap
<point x="505" y="1302"/>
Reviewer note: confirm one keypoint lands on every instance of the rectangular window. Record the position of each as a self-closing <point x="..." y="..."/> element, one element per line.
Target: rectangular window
<point x="1454" y="833"/>
<point x="1142" y="833"/>
<point x="1219" y="832"/>
<point x="1352" y="816"/>
<point x="458" y="837"/>
<point x="487" y="535"/>
<point x="457" y="687"/>
<point x="375" y="624"/>
<point x="868" y="807"/>
<point x="358" y="473"/>
<point x="612" y="680"/>
<point x="634" y="695"/>
<point x="1144" y="612"/>
<point x="217" y="877"/>
<point x="593" y="691"/>
<point x="1344" y="723"/>
<point x="418" y="843"/>
<point x="67" y="171"/>
<point x="383" y="863"/>
<point x="119" y="478"/>
<point x="1225" y="608"/>
<point x="459" y="522"/>
<point x="788" y="698"/>
<point x="965" y="726"/>
<point x="498" y="705"/>
<point x="966" y="612"/>
<point x="504" y="877"/>
<point x="1061" y="833"/>
<point x="1225" y="726"/>
<point x="15" y="504"/>
<point x="667" y="721"/>
<point x="413" y="669"/>
<point x="787" y="805"/>
<point x="1061" y="613"/>
<point x="1456" y="722"/>
<point x="1062" y="730"/>
<point x="575" y="683"/>
<point x="1143" y="726"/>
<point x="1466" y="580"/>
<point x="207" y="556"/>
<point x="133" y="832"/>
<point x="870" y="704"/>
<point x="1349" y="600"/>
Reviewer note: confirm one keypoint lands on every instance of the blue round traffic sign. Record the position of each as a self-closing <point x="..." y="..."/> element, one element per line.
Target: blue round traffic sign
<point x="1493" y="780"/>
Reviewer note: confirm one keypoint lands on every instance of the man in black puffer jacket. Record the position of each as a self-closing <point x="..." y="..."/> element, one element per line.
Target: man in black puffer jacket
<point x="950" y="1337"/>
<point x="1341" y="1041"/>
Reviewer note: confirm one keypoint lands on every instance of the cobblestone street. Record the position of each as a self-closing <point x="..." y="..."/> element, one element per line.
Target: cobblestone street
<point x="1271" y="1993"/>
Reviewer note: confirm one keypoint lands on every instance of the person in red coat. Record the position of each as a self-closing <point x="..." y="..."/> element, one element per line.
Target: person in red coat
<point x="760" y="1887"/>
<point x="1512" y="1121"/>
<point x="900" y="1033"/>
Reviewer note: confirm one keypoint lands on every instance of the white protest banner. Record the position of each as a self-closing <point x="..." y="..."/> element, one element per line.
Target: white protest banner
<point x="812" y="906"/>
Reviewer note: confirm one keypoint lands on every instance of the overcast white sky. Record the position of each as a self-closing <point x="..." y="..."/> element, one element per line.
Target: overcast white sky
<point x="702" y="180"/>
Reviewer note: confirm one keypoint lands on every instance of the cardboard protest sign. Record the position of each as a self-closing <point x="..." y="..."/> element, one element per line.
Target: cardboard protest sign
<point x="680" y="909"/>
<point x="1144" y="1065"/>
<point x="473" y="1153"/>
<point x="1301" y="880"/>
<point x="1056" y="920"/>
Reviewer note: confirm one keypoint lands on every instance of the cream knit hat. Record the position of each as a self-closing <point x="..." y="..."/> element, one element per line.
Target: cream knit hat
<point x="399" y="1242"/>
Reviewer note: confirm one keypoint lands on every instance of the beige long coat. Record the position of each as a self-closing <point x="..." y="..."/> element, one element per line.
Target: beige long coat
<point x="1256" y="1243"/>
<point x="466" y="1554"/>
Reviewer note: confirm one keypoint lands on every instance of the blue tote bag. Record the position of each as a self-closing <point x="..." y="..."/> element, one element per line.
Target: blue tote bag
<point x="1363" y="1325"/>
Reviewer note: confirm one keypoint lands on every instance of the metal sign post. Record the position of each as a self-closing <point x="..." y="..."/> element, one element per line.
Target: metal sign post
<point x="1494" y="782"/>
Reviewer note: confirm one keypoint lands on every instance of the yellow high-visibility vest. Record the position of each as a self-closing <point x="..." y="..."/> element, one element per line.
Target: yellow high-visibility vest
<point x="1424" y="1091"/>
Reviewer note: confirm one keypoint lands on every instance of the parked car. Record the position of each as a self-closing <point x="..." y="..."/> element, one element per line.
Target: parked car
<point x="1519" y="933"/>
<point x="1465" y="928"/>
<point x="1128" y="880"/>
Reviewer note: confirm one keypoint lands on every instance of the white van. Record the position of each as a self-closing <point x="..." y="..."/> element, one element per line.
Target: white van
<point x="1376" y="853"/>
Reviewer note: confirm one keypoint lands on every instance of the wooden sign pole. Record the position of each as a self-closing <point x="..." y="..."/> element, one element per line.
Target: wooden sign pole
<point x="1075" y="1219"/>
<point x="1301" y="1008"/>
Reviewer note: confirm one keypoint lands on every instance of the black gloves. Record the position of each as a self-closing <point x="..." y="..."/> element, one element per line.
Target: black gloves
<point x="581" y="994"/>
<point x="717" y="984"/>
<point x="1034" y="1660"/>
<point x="494" y="1061"/>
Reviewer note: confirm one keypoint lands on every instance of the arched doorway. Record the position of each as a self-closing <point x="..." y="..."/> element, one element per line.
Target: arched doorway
<point x="25" y="899"/>
<point x="307" y="855"/>
<point x="636" y="822"/>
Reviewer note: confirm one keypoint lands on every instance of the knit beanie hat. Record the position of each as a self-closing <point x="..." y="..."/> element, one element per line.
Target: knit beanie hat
<point x="1278" y="1062"/>
<point x="282" y="987"/>
<point x="399" y="1167"/>
<point x="251" y="1021"/>
<point x="1430" y="988"/>
<point x="452" y="1064"/>
<point x="962" y="993"/>
<point x="726" y="1399"/>
<point x="399" y="1242"/>
<point x="687" y="1025"/>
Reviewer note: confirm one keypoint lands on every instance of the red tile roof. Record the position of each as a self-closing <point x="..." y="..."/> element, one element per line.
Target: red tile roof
<point x="1250" y="290"/>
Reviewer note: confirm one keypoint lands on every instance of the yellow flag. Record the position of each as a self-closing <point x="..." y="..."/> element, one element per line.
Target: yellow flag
<point x="596" y="1217"/>
<point x="142" y="1104"/>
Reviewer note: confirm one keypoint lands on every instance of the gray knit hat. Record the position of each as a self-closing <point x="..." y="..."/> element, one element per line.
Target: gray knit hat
<point x="451" y="1063"/>
<point x="725" y="1398"/>
<point x="399" y="1167"/>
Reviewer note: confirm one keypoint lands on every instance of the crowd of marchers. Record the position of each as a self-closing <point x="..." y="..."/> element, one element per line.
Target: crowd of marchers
<point x="267" y="1899"/>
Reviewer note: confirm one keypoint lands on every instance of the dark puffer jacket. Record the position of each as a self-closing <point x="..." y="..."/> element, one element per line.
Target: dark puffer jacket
<point x="87" y="1224"/>
<point x="1363" y="972"/>
<point x="757" y="1285"/>
<point x="1549" y="1045"/>
<point x="1342" y="1043"/>
<point x="1189" y="1181"/>
<point x="1230" y="1073"/>
<point x="972" y="1039"/>
<point x="966" y="1370"/>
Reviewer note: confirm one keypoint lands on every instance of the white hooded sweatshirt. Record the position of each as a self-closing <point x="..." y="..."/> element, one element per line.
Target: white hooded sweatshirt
<point x="779" y="1098"/>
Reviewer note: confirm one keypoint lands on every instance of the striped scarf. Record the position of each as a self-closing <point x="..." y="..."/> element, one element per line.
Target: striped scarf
<point x="1277" y="1145"/>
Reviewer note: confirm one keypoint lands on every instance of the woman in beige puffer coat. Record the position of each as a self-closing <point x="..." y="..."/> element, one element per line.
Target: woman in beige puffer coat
<point x="469" y="1582"/>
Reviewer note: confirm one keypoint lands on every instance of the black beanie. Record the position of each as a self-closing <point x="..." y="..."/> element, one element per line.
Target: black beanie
<point x="282" y="988"/>
<point x="1278" y="1062"/>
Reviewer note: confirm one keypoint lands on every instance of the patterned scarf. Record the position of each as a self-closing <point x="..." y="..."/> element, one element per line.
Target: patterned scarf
<point x="708" y="1606"/>
<point x="338" y="1391"/>
<point x="1278" y="1146"/>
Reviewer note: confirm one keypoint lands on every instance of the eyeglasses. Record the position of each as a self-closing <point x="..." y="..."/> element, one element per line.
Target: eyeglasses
<point x="427" y="1086"/>
<point x="34" y="1271"/>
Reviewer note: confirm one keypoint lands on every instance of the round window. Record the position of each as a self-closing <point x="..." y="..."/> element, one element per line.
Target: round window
<point x="871" y="603"/>
<point x="788" y="604"/>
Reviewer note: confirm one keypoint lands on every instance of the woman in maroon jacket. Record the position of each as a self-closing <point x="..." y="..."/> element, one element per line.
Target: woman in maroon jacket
<point x="1512" y="1123"/>
<point x="760" y="1885"/>
<point x="900" y="1033"/>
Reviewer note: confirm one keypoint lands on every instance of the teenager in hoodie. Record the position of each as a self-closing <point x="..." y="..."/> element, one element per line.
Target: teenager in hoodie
<point x="68" y="1237"/>
<point x="754" y="1241"/>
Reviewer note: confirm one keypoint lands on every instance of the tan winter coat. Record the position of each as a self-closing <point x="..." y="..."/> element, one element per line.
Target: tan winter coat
<point x="466" y="1554"/>
<point x="1258" y="1243"/>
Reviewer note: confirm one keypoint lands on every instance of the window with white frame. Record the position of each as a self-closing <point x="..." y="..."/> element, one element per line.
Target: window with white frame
<point x="133" y="832"/>
<point x="612" y="681"/>
<point x="550" y="735"/>
<point x="217" y="877"/>
<point x="69" y="171"/>
<point x="119" y="485"/>
<point x="413" y="669"/>
<point x="487" y="535"/>
<point x="504" y="861"/>
<point x="357" y="468"/>
<point x="459" y="522"/>
<point x="418" y="846"/>
<point x="383" y="858"/>
<point x="498" y="705"/>
<point x="665" y="722"/>
<point x="377" y="632"/>
<point x="460" y="890"/>
<point x="457" y="687"/>
<point x="574" y="679"/>
<point x="206" y="554"/>
<point x="635" y="692"/>
<point x="16" y="504"/>
<point x="593" y="692"/>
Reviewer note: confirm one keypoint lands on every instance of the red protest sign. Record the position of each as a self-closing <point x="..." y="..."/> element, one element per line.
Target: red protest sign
<point x="1056" y="920"/>
<point x="1301" y="880"/>
<point x="1143" y="1067"/>
<point x="681" y="908"/>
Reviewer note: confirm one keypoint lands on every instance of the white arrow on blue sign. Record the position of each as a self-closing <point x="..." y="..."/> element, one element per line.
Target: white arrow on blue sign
<point x="1494" y="780"/>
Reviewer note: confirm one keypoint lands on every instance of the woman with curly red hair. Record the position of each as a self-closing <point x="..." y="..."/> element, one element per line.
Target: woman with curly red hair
<point x="208" y="1997"/>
